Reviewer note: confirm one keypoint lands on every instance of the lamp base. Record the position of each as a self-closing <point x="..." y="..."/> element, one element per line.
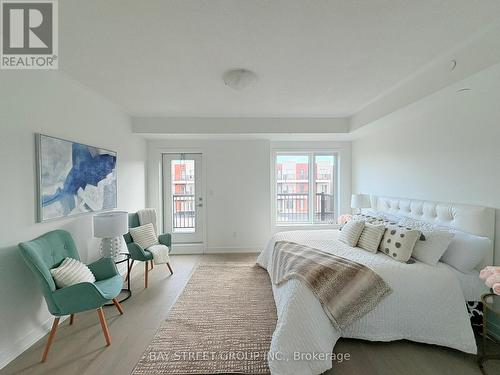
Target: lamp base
<point x="111" y="247"/>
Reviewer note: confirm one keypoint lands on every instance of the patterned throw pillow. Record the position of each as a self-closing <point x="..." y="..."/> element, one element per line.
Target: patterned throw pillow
<point x="375" y="219"/>
<point x="371" y="236"/>
<point x="144" y="236"/>
<point x="351" y="231"/>
<point x="70" y="272"/>
<point x="398" y="242"/>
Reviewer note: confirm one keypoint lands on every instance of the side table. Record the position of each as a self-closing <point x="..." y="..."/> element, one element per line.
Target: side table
<point x="126" y="292"/>
<point x="491" y="311"/>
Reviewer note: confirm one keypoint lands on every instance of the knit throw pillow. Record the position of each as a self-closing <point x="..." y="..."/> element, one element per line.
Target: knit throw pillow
<point x="144" y="236"/>
<point x="70" y="272"/>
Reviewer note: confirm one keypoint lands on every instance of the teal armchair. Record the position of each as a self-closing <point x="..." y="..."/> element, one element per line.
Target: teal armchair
<point x="138" y="253"/>
<point x="48" y="251"/>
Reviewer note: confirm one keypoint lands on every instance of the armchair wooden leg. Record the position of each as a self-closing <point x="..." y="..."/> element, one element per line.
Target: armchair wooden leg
<point x="129" y="270"/>
<point x="104" y="326"/>
<point x="118" y="306"/>
<point x="50" y="339"/>
<point x="152" y="265"/>
<point x="146" y="269"/>
<point x="71" y="319"/>
<point x="170" y="269"/>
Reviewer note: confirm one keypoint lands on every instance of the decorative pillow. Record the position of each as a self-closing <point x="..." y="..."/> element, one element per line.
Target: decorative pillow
<point x="70" y="272"/>
<point x="432" y="248"/>
<point x="398" y="242"/>
<point x="422" y="226"/>
<point x="370" y="237"/>
<point x="383" y="215"/>
<point x="379" y="219"/>
<point x="351" y="231"/>
<point x="144" y="236"/>
<point x="432" y="244"/>
<point x="466" y="251"/>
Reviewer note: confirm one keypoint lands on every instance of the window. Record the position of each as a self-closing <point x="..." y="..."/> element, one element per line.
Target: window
<point x="305" y="187"/>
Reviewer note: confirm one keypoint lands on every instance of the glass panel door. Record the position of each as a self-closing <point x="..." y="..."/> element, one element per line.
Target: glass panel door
<point x="183" y="201"/>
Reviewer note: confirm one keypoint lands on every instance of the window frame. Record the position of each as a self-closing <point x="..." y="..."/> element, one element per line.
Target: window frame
<point x="311" y="190"/>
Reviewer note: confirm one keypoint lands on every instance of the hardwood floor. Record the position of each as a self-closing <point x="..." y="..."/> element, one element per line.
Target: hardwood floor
<point x="80" y="348"/>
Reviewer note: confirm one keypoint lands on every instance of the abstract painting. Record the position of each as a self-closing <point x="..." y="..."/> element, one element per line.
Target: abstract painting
<point x="73" y="178"/>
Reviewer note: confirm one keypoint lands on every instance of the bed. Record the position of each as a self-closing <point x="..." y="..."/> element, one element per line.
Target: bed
<point x="427" y="304"/>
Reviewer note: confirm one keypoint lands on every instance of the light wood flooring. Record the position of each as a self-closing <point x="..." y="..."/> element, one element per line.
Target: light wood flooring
<point x="80" y="348"/>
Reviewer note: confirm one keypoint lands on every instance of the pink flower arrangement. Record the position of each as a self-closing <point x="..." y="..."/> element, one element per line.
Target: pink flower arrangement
<point x="342" y="219"/>
<point x="491" y="277"/>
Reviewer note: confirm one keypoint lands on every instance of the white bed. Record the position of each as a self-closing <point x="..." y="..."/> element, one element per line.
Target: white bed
<point x="472" y="286"/>
<point x="427" y="303"/>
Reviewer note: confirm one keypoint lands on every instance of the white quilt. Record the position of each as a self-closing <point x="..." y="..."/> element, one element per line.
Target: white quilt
<point x="427" y="305"/>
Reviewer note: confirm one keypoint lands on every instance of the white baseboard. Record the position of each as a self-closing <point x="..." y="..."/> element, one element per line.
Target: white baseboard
<point x="233" y="249"/>
<point x="199" y="248"/>
<point x="20" y="346"/>
<point x="187" y="248"/>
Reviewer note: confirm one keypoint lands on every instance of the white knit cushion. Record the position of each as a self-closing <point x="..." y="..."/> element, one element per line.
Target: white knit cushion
<point x="351" y="231"/>
<point x="144" y="236"/>
<point x="370" y="237"/>
<point x="70" y="272"/>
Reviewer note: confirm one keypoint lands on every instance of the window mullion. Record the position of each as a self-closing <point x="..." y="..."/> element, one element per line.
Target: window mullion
<point x="312" y="188"/>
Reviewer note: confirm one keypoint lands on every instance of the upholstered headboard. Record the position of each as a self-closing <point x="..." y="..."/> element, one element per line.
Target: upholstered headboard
<point x="477" y="220"/>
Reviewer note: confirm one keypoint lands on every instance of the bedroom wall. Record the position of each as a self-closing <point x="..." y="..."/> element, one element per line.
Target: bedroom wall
<point x="50" y="103"/>
<point x="444" y="147"/>
<point x="237" y="204"/>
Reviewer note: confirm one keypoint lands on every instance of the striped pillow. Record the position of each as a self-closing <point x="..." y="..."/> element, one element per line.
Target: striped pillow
<point x="351" y="231"/>
<point x="70" y="272"/>
<point x="370" y="237"/>
<point x="144" y="236"/>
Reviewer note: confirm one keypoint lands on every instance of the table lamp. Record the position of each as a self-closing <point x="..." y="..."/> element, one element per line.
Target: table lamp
<point x="110" y="226"/>
<point x="359" y="201"/>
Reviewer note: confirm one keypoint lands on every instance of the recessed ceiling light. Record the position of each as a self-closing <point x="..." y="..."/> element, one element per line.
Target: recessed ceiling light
<point x="239" y="79"/>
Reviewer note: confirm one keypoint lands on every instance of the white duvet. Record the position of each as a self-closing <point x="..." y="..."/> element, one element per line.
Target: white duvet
<point x="427" y="305"/>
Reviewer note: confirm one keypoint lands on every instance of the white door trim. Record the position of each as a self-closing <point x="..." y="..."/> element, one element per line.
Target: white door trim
<point x="155" y="186"/>
<point x="195" y="237"/>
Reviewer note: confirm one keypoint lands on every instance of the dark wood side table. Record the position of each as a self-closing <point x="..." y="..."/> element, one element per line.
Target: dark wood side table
<point x="125" y="293"/>
<point x="491" y="311"/>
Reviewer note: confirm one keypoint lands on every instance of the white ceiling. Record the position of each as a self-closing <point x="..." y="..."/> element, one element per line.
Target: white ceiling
<point x="313" y="58"/>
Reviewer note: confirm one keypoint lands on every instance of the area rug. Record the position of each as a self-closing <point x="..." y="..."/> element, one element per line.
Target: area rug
<point x="221" y="324"/>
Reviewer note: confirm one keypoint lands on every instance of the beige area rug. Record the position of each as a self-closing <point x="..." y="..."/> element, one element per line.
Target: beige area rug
<point x="221" y="324"/>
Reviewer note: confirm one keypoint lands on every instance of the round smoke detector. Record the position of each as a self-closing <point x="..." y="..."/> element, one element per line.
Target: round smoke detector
<point x="239" y="79"/>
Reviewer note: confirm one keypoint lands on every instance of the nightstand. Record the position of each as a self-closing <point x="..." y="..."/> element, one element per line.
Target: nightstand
<point x="491" y="329"/>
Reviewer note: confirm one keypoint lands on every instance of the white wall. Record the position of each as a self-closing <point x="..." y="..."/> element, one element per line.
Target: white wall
<point x="238" y="191"/>
<point x="50" y="103"/>
<point x="445" y="147"/>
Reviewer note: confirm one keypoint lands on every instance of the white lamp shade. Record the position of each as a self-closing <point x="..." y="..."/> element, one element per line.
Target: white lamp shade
<point x="110" y="224"/>
<point x="360" y="201"/>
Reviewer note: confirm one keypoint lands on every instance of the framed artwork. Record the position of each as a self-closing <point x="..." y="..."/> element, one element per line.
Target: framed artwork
<point x="73" y="178"/>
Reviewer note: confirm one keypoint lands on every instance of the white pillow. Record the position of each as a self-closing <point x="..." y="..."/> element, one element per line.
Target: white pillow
<point x="466" y="251"/>
<point x="70" y="272"/>
<point x="432" y="248"/>
<point x="370" y="237"/>
<point x="351" y="231"/>
<point x="144" y="236"/>
<point x="434" y="242"/>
